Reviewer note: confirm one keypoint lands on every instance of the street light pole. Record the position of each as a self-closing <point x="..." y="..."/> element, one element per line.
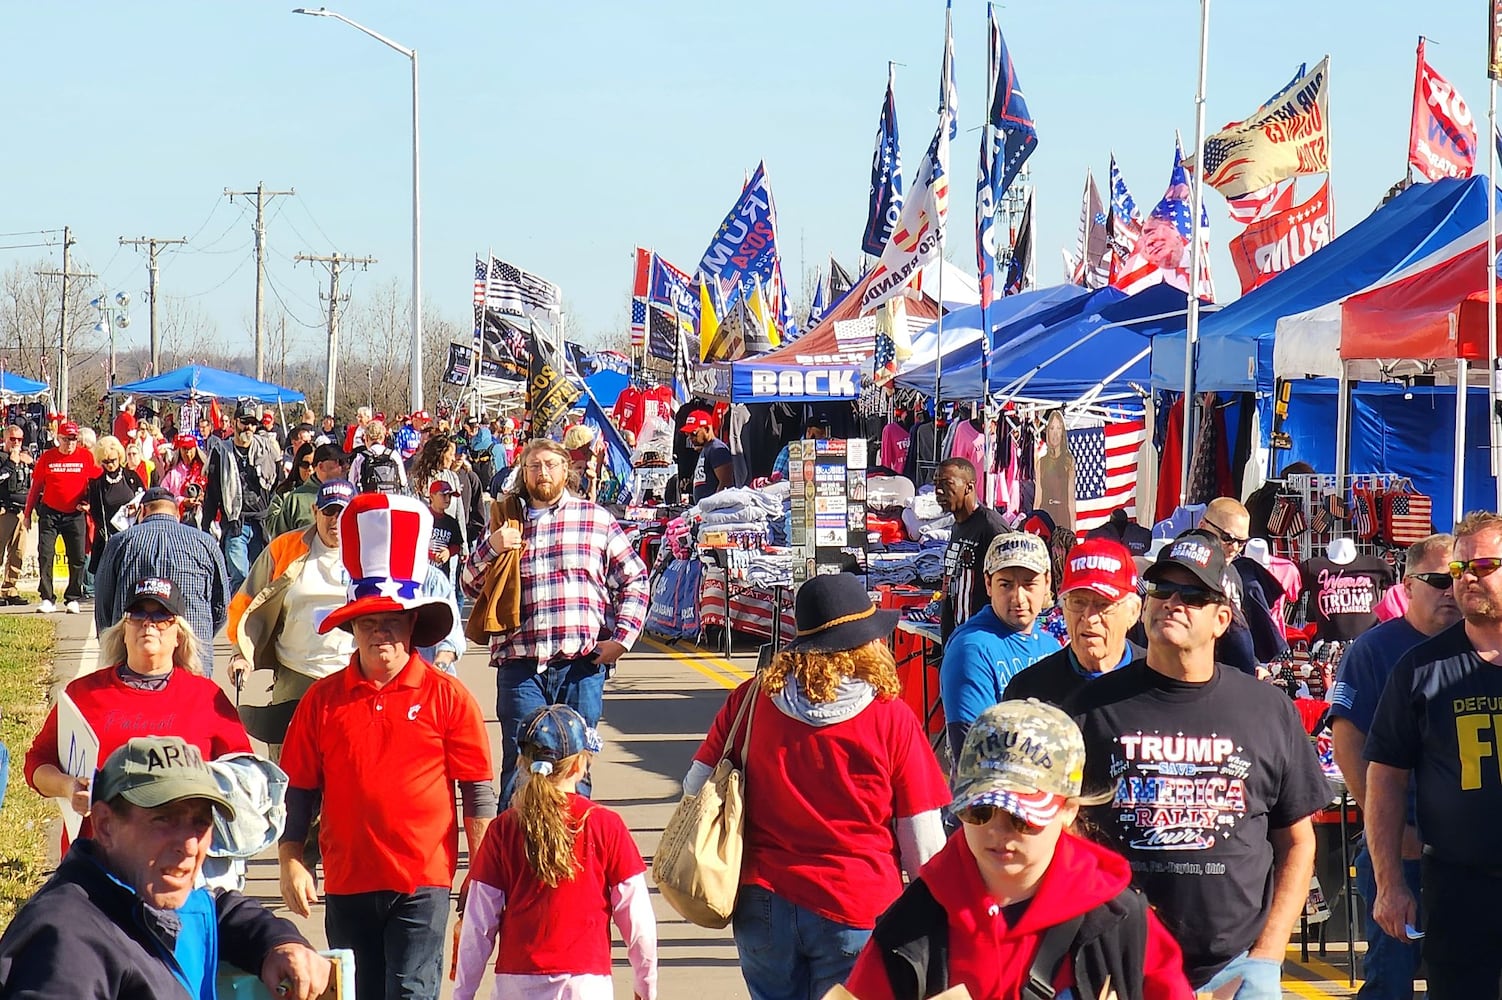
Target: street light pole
<point x="415" y="387"/>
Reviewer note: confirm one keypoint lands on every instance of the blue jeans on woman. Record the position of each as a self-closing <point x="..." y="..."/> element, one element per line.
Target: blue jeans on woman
<point x="520" y="689"/>
<point x="788" y="952"/>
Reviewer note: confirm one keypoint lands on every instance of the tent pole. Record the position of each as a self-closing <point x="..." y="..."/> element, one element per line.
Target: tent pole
<point x="1343" y="422"/>
<point x="1491" y="292"/>
<point x="1461" y="384"/>
<point x="1196" y="252"/>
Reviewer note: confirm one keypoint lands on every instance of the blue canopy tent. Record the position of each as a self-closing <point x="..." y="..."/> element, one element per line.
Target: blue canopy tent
<point x="1075" y="354"/>
<point x="198" y="380"/>
<point x="1396" y="430"/>
<point x="18" y="385"/>
<point x="606" y="385"/>
<point x="1009" y="317"/>
<point x="1236" y="344"/>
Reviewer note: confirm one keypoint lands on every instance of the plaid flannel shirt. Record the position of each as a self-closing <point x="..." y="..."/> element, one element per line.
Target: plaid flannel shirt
<point x="582" y="583"/>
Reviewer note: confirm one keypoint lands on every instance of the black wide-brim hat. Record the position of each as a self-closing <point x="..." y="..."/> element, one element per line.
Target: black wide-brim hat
<point x="834" y="613"/>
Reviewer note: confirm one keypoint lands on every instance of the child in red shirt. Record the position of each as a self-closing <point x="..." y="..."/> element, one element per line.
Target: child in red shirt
<point x="1015" y="884"/>
<point x="551" y="870"/>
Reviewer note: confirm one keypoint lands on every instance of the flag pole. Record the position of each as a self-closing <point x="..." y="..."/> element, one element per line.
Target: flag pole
<point x="1192" y="328"/>
<point x="1491" y="287"/>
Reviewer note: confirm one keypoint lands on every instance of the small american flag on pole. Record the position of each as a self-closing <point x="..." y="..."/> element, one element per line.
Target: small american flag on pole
<point x="1105" y="471"/>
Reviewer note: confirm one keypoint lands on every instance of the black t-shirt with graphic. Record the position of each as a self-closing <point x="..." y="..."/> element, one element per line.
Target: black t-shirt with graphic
<point x="713" y="455"/>
<point x="1343" y="596"/>
<point x="964" y="564"/>
<point x="448" y="535"/>
<point x="1438" y="717"/>
<point x="1200" y="775"/>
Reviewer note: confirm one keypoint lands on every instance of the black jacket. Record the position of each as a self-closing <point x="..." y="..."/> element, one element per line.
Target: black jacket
<point x="15" y="482"/>
<point x="84" y="936"/>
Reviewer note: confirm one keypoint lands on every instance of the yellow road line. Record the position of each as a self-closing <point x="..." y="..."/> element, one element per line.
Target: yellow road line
<point x="1326" y="970"/>
<point x="1308" y="990"/>
<point x="720" y="662"/>
<point x="699" y="665"/>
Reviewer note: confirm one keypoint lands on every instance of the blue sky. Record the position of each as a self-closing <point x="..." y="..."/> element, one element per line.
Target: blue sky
<point x="562" y="134"/>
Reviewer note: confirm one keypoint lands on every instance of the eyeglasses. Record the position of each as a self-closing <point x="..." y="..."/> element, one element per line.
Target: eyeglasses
<point x="70" y="437"/>
<point x="111" y="460"/>
<point x="156" y="619"/>
<point x="1483" y="566"/>
<point x="1439" y="581"/>
<point x="553" y="466"/>
<point x="16" y="438"/>
<point x="1089" y="606"/>
<point x="981" y="815"/>
<point x="304" y="465"/>
<point x="1190" y="594"/>
<point x="1225" y="535"/>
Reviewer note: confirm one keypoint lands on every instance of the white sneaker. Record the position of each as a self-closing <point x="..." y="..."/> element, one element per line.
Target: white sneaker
<point x="72" y="607"/>
<point x="46" y="608"/>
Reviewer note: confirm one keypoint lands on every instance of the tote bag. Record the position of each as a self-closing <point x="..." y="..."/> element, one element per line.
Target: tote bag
<point x="698" y="863"/>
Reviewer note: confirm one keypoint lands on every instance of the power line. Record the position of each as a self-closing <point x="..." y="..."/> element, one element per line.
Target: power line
<point x="29" y="246"/>
<point x="30" y="232"/>
<point x="212" y="212"/>
<point x="238" y="268"/>
<point x="309" y="211"/>
<point x="282" y="302"/>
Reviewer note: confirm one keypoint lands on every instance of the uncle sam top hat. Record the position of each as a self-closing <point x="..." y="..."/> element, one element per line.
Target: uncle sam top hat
<point x="383" y="542"/>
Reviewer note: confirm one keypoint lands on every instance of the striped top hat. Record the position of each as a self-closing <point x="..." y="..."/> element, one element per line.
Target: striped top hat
<point x="383" y="541"/>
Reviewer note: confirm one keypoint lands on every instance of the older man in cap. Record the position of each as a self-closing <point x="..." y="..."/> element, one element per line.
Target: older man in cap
<point x="122" y="918"/>
<point x="1212" y="780"/>
<point x="1099" y="595"/>
<point x="379" y="746"/>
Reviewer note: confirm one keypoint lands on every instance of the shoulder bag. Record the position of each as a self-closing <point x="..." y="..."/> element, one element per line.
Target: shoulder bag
<point x="697" y="866"/>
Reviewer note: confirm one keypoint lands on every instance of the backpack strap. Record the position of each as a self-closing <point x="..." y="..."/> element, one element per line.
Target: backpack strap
<point x="1057" y="941"/>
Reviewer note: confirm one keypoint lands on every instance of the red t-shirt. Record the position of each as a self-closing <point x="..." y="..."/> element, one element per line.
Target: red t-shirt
<point x="386" y="760"/>
<point x="190" y="706"/>
<point x="125" y="426"/>
<point x="547" y="930"/>
<point x="628" y="411"/>
<point x="821" y="800"/>
<point x="61" y="481"/>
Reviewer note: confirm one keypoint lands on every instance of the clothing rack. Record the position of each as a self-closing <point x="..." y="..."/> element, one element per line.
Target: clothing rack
<point x="1312" y="491"/>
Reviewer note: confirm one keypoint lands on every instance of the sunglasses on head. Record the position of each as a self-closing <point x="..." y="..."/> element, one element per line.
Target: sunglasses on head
<point x="983" y="814"/>
<point x="1439" y="581"/>
<point x="1480" y="567"/>
<point x="1190" y="594"/>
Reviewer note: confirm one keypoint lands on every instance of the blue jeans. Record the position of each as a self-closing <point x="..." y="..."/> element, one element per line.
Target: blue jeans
<point x="787" y="952"/>
<point x="397" y="939"/>
<point x="520" y="690"/>
<point x="236" y="546"/>
<point x="1261" y="978"/>
<point x="1389" y="964"/>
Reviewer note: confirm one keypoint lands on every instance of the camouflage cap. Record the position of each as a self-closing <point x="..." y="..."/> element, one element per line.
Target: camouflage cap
<point x="1017" y="548"/>
<point x="1025" y="757"/>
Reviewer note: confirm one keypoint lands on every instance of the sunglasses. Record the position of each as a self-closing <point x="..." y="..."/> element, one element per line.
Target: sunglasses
<point x="1439" y="581"/>
<point x="70" y="437"/>
<point x="304" y="465"/>
<point x="981" y="815"/>
<point x="1225" y="535"/>
<point x="1484" y="566"/>
<point x="1192" y="595"/>
<point x="159" y="619"/>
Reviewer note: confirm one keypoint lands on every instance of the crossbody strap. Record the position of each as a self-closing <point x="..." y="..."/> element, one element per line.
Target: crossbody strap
<point x="745" y="713"/>
<point x="1056" y="943"/>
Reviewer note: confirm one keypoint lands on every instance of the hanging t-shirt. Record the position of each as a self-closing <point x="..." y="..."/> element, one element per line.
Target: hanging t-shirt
<point x="714" y="455"/>
<point x="895" y="440"/>
<point x="970" y="443"/>
<point x="628" y="412"/>
<point x="964" y="559"/>
<point x="1343" y="597"/>
<point x="1200" y="775"/>
<point x="1437" y="718"/>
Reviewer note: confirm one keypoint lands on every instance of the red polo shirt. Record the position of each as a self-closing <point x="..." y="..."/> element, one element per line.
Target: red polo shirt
<point x="386" y="760"/>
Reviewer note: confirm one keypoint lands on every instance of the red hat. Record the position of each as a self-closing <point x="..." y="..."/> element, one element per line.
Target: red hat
<point x="267" y="418"/>
<point x="1100" y="565"/>
<point x="67" y="429"/>
<point x="421" y="415"/>
<point x="440" y="486"/>
<point x="383" y="541"/>
<point x="185" y="441"/>
<point x="697" y="419"/>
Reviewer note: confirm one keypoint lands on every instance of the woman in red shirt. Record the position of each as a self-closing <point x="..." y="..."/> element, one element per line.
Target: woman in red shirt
<point x="153" y="687"/>
<point x="840" y="783"/>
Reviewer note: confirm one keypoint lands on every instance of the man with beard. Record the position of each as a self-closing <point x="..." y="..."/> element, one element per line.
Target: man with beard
<point x="1390" y="962"/>
<point x="583" y="600"/>
<point x="1437" y="723"/>
<point x="969" y="540"/>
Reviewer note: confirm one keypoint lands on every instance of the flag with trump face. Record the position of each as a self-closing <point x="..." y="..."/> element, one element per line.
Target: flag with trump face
<point x="1162" y="250"/>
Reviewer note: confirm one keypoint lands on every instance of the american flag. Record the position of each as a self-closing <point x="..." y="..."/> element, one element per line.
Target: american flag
<point x="1408" y="517"/>
<point x="1262" y="203"/>
<point x="1366" y="516"/>
<point x="641" y="278"/>
<point x="521" y="293"/>
<point x="638" y="322"/>
<point x="1105" y="471"/>
<point x="1155" y="260"/>
<point x="1123" y="222"/>
<point x="482" y="268"/>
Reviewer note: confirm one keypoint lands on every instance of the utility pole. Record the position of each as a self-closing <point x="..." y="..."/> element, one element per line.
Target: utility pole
<point x="152" y="243"/>
<point x="62" y="336"/>
<point x="335" y="262"/>
<point x="260" y="230"/>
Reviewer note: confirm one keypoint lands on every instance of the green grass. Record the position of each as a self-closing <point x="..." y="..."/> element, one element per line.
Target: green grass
<point x="26" y="647"/>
